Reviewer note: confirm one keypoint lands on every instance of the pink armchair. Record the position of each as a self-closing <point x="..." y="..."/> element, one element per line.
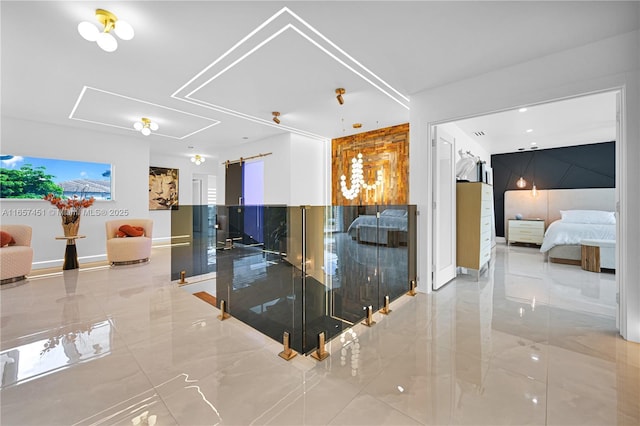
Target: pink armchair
<point x="129" y="250"/>
<point x="15" y="259"/>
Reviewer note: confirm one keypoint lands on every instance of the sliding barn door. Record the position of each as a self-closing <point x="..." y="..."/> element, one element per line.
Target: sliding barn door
<point x="233" y="184"/>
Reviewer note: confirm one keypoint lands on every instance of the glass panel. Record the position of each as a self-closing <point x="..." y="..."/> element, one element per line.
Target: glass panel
<point x="301" y="270"/>
<point x="353" y="253"/>
<point x="193" y="239"/>
<point x="254" y="275"/>
<point x="393" y="251"/>
<point x="319" y="268"/>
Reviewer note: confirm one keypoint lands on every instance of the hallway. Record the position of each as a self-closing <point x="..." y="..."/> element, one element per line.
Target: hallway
<point x="529" y="343"/>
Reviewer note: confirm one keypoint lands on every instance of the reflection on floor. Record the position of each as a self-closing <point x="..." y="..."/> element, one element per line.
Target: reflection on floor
<point x="529" y="343"/>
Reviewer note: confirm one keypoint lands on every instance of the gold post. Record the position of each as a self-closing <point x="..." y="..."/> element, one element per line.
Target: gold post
<point x="369" y="320"/>
<point x="287" y="353"/>
<point x="385" y="309"/>
<point x="412" y="288"/>
<point x="320" y="354"/>
<point x="182" y="280"/>
<point x="223" y="311"/>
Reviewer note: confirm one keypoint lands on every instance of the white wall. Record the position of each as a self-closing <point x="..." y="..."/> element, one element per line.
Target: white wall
<point x="294" y="174"/>
<point x="599" y="66"/>
<point x="276" y="170"/>
<point x="129" y="156"/>
<point x="466" y="143"/>
<point x="309" y="172"/>
<point x="187" y="171"/>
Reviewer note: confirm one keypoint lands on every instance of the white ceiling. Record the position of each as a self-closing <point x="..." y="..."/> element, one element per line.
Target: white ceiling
<point x="210" y="72"/>
<point x="577" y="121"/>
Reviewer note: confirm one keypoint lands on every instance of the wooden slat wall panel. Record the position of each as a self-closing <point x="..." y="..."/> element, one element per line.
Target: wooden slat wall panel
<point x="386" y="148"/>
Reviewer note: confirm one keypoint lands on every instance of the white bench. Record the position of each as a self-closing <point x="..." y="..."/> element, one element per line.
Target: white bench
<point x="597" y="254"/>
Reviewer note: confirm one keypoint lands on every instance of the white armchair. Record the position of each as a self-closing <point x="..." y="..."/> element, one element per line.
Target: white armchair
<point x="15" y="260"/>
<point x="129" y="250"/>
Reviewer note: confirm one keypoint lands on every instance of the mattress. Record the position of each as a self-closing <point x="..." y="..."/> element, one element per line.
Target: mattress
<point x="561" y="233"/>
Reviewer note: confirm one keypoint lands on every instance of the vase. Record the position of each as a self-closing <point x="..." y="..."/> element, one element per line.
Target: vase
<point x="70" y="223"/>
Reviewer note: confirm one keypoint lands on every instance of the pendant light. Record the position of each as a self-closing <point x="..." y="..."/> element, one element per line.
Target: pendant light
<point x="534" y="190"/>
<point x="521" y="183"/>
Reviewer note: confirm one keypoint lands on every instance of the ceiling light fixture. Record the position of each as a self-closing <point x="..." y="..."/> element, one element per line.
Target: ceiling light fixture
<point x="340" y="91"/>
<point x="356" y="125"/>
<point x="103" y="37"/>
<point x="198" y="159"/>
<point x="145" y="126"/>
<point x="276" y="114"/>
<point x="522" y="110"/>
<point x="529" y="130"/>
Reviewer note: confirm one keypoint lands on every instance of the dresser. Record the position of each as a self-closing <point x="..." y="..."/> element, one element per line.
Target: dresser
<point x="525" y="231"/>
<point x="474" y="220"/>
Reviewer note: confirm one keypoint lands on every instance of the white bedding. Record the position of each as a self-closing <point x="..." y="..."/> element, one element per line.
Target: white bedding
<point x="563" y="233"/>
<point x="395" y="218"/>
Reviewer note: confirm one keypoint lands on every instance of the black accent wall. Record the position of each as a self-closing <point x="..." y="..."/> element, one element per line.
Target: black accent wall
<point x="581" y="166"/>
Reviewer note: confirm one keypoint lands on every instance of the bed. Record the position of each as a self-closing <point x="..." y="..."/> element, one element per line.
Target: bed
<point x="390" y="229"/>
<point x="562" y="239"/>
<point x="562" y="245"/>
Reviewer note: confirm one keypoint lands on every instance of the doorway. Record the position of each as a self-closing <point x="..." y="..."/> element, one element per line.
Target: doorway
<point x="478" y="128"/>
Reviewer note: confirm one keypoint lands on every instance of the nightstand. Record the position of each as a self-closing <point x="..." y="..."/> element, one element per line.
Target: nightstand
<point x="526" y="231"/>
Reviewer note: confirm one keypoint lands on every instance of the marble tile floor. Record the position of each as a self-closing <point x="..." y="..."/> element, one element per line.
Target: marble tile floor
<point x="528" y="343"/>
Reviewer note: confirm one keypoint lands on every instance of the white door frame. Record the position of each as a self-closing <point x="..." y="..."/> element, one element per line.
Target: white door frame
<point x="621" y="242"/>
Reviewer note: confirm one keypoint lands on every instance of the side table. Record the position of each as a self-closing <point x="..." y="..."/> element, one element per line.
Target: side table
<point x="70" y="253"/>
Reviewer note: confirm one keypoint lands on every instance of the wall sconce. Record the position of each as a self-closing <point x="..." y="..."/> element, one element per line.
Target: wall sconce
<point x="276" y="114"/>
<point x="104" y="38"/>
<point x="521" y="183"/>
<point x="340" y="91"/>
<point x="198" y="159"/>
<point x="145" y="126"/>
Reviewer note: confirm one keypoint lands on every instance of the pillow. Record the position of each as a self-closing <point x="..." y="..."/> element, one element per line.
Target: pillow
<point x="588" y="216"/>
<point x="394" y="213"/>
<point x="6" y="239"/>
<point x="132" y="231"/>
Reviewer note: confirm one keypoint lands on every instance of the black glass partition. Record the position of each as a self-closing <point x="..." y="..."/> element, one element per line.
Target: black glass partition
<point x="301" y="270"/>
<point x="193" y="240"/>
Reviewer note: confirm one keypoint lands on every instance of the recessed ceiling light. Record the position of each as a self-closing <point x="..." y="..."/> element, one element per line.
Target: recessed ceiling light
<point x="356" y="125"/>
<point x="520" y="149"/>
<point x="533" y="143"/>
<point x="534" y="147"/>
<point x="529" y="130"/>
<point x="522" y="110"/>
